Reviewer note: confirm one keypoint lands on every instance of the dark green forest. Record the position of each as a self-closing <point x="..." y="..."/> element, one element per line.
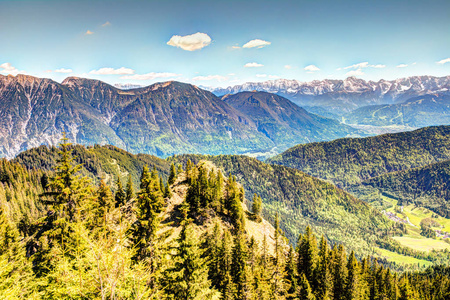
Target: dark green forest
<point x="65" y="236"/>
<point x="349" y="161"/>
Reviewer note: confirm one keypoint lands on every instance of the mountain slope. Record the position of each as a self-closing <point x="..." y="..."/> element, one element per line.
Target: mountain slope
<point x="340" y="96"/>
<point x="298" y="198"/>
<point x="160" y="119"/>
<point x="427" y="110"/>
<point x="284" y="122"/>
<point x="174" y="118"/>
<point x="302" y="200"/>
<point x="347" y="162"/>
<point x="427" y="186"/>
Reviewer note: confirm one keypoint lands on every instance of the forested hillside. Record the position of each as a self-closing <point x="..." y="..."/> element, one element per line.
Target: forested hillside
<point x="298" y="198"/>
<point x="185" y="238"/>
<point x="302" y="200"/>
<point x="349" y="161"/>
<point x="427" y="186"/>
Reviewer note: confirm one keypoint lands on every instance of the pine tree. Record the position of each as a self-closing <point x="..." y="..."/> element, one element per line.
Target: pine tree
<point x="353" y="281"/>
<point x="307" y="254"/>
<point x="305" y="292"/>
<point x="239" y="267"/>
<point x="104" y="200"/>
<point x="322" y="276"/>
<point x="66" y="188"/>
<point x="339" y="272"/>
<point x="406" y="292"/>
<point x="291" y="275"/>
<point x="278" y="284"/>
<point x="149" y="204"/>
<point x="226" y="284"/>
<point x="188" y="279"/>
<point x="257" y="207"/>
<point x="130" y="190"/>
<point x="120" y="196"/>
<point x="172" y="175"/>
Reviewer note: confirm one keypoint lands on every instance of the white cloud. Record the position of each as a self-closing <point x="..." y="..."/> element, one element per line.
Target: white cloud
<point x="231" y="74"/>
<point x="253" y="65"/>
<point x="402" y="66"/>
<point x="112" y="71"/>
<point x="311" y="68"/>
<point x="358" y="66"/>
<point x="363" y="65"/>
<point x="107" y="23"/>
<point x="210" y="77"/>
<point x="62" y="70"/>
<point x="149" y="76"/>
<point x="256" y="43"/>
<point x="444" y="61"/>
<point x="235" y="47"/>
<point x="9" y="69"/>
<point x="191" y="42"/>
<point x="88" y="32"/>
<point x="288" y="67"/>
<point x="358" y="72"/>
<point x="268" y="76"/>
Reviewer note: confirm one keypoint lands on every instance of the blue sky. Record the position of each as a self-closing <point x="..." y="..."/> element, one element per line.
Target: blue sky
<point x="128" y="41"/>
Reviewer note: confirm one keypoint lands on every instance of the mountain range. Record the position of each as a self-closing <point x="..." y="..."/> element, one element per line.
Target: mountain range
<point x="426" y="110"/>
<point x="342" y="96"/>
<point x="162" y="119"/>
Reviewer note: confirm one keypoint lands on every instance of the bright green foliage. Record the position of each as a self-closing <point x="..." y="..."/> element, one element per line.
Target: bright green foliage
<point x="239" y="269"/>
<point x="150" y="203"/>
<point x="188" y="279"/>
<point x="305" y="292"/>
<point x="307" y="254"/>
<point x="257" y="206"/>
<point x="105" y="202"/>
<point x="172" y="175"/>
<point x="120" y="196"/>
<point x="130" y="190"/>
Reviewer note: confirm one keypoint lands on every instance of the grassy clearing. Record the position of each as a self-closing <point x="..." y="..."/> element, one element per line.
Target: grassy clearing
<point x="422" y="243"/>
<point x="400" y="259"/>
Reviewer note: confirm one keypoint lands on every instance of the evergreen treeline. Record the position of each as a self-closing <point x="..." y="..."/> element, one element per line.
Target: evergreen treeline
<point x="88" y="243"/>
<point x="301" y="201"/>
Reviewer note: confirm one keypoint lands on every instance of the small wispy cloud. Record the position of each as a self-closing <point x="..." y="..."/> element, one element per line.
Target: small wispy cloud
<point x="363" y="65"/>
<point x="62" y="70"/>
<point x="288" y="67"/>
<point x="267" y="76"/>
<point x="357" y="72"/>
<point x="106" y="24"/>
<point x="191" y="42"/>
<point x="9" y="69"/>
<point x="256" y="43"/>
<point x="311" y="68"/>
<point x="444" y="61"/>
<point x="235" y="47"/>
<point x="253" y="65"/>
<point x="112" y="71"/>
<point x="150" y="76"/>
<point x="402" y="66"/>
<point x="210" y="77"/>
<point x="88" y="32"/>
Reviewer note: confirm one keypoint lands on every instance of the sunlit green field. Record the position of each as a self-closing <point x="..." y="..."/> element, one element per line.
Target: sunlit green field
<point x="422" y="243"/>
<point x="400" y="259"/>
